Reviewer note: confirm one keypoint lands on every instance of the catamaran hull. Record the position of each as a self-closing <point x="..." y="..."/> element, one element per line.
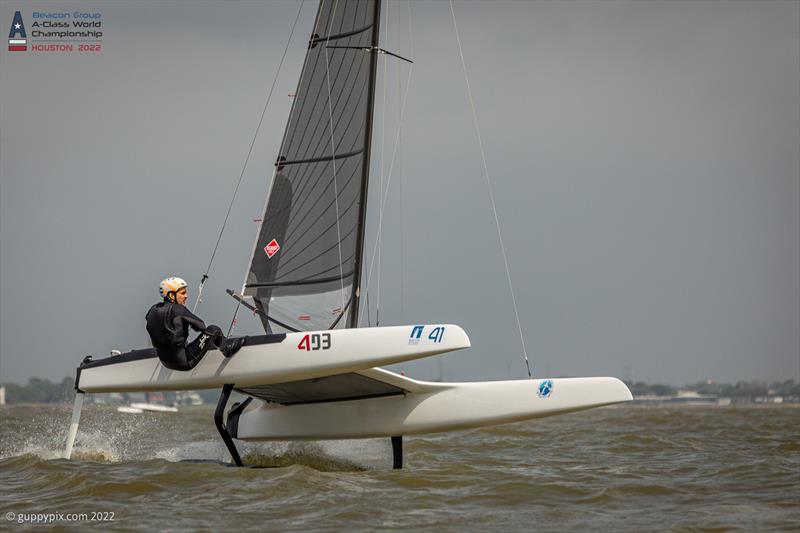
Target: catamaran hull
<point x="273" y="359"/>
<point x="437" y="407"/>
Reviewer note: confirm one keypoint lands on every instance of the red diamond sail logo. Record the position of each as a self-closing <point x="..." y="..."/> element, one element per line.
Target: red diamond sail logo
<point x="272" y="248"/>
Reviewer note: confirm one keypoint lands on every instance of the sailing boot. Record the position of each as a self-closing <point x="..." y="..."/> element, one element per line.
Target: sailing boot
<point x="231" y="346"/>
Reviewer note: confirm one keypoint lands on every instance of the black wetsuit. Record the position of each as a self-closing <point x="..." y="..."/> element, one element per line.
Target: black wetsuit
<point x="168" y="324"/>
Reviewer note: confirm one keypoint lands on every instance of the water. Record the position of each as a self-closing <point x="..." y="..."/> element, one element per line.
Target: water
<point x="625" y="468"/>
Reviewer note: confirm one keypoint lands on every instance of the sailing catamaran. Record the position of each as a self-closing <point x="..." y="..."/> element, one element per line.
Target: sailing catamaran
<point x="313" y="373"/>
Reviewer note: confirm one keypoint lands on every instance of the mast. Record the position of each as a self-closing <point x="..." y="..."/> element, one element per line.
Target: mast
<point x="373" y="69"/>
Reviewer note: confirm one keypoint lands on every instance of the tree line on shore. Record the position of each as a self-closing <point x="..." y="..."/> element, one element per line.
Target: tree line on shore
<point x="739" y="390"/>
<point x="40" y="391"/>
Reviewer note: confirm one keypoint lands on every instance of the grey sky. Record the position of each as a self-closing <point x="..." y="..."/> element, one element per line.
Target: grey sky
<point x="645" y="159"/>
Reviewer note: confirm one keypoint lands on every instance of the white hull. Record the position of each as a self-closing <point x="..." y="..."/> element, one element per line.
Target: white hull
<point x="326" y="387"/>
<point x="432" y="407"/>
<point x="348" y="350"/>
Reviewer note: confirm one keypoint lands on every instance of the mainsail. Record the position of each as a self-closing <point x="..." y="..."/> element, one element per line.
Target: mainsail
<point x="306" y="264"/>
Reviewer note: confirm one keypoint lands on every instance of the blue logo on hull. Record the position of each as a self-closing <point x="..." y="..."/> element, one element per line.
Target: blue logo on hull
<point x="545" y="388"/>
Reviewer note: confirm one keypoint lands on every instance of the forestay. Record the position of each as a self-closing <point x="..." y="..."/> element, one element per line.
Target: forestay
<point x="306" y="263"/>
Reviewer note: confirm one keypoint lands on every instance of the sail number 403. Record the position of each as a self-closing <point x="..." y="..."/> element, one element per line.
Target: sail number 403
<point x="315" y="341"/>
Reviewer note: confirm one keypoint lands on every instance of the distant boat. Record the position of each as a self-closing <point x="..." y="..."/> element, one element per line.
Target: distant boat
<point x="155" y="403"/>
<point x="188" y="398"/>
<point x="141" y="407"/>
<point x="130" y="410"/>
<point x="154" y="407"/>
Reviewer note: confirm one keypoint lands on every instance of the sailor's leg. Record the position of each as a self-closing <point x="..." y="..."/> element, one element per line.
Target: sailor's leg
<point x="174" y="360"/>
<point x="195" y="350"/>
<point x="212" y="337"/>
<point x="228" y="346"/>
<point x="216" y="336"/>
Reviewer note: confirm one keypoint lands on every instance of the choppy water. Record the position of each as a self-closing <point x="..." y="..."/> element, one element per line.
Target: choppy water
<point x="626" y="468"/>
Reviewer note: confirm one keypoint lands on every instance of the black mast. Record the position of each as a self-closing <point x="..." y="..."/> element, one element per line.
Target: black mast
<point x="362" y="216"/>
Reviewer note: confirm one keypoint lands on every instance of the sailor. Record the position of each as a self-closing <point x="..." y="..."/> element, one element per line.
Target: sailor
<point x="168" y="324"/>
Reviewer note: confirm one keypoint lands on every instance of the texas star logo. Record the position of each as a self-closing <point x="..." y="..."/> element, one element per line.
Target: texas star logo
<point x="545" y="388"/>
<point x="272" y="248"/>
<point x="17" y="38"/>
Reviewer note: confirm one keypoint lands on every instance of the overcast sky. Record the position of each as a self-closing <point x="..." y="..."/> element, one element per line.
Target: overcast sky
<point x="645" y="158"/>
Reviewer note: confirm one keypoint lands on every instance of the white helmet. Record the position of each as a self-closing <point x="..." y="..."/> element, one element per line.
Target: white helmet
<point x="171" y="286"/>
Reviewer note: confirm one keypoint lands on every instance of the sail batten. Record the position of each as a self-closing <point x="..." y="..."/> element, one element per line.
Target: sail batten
<point x="313" y="42"/>
<point x="308" y="254"/>
<point x="319" y="159"/>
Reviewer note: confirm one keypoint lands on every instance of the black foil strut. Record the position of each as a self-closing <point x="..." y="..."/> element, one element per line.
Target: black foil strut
<point x="397" y="452"/>
<point x="223" y="431"/>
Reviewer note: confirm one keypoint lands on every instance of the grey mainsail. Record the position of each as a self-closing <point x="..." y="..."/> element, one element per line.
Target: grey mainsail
<point x="306" y="264"/>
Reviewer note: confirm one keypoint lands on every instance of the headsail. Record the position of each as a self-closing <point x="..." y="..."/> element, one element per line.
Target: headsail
<point x="306" y="263"/>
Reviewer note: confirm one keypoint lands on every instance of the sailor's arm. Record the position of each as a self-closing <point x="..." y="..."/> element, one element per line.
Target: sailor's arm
<point x="183" y="315"/>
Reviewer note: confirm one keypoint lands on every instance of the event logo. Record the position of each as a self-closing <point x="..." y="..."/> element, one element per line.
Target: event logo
<point x="17" y="38"/>
<point x="56" y="31"/>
